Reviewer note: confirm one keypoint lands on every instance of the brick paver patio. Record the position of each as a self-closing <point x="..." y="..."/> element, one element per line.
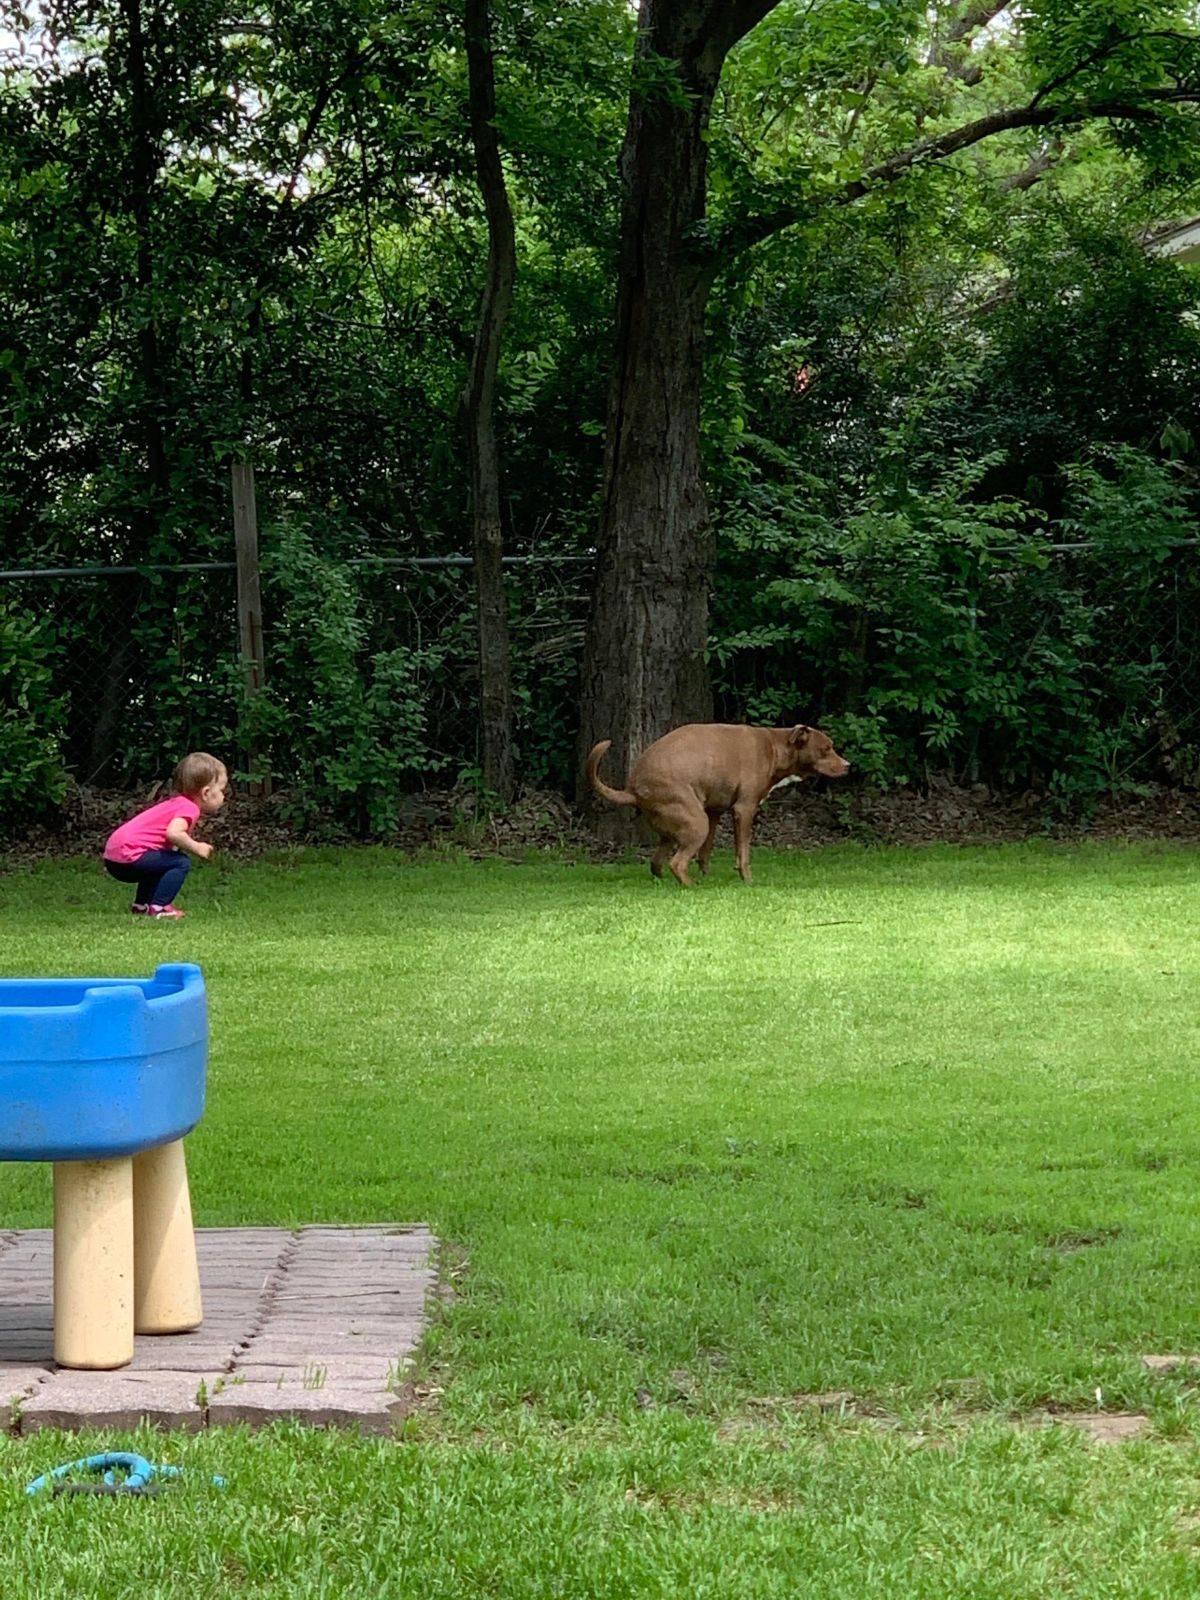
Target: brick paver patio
<point x="315" y="1323"/>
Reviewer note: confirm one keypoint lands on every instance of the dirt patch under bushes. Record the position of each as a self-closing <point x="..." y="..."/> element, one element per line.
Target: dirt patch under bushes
<point x="797" y="819"/>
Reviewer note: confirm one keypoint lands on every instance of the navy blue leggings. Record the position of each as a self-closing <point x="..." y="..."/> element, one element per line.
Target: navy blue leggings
<point x="159" y="875"/>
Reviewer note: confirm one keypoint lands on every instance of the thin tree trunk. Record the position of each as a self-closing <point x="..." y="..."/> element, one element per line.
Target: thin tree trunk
<point x="145" y="156"/>
<point x="479" y="418"/>
<point x="145" y="523"/>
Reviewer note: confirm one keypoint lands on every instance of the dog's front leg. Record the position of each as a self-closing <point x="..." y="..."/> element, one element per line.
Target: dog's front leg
<point x="744" y="814"/>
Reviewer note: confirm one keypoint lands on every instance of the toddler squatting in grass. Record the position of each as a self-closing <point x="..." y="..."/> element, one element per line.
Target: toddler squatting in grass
<point x="151" y="850"/>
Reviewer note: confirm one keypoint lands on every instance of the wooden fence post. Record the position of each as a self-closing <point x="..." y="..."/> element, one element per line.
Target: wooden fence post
<point x="249" y="600"/>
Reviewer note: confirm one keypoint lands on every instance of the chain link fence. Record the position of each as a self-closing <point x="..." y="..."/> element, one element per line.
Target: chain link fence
<point x="1073" y="667"/>
<point x="130" y="667"/>
<point x="1144" y="659"/>
<point x="140" y="664"/>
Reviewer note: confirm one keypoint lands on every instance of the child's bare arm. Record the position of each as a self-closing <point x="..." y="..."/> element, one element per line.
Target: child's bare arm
<point x="179" y="837"/>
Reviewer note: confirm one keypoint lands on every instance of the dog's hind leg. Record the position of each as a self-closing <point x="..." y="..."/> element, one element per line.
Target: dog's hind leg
<point x="682" y="827"/>
<point x="706" y="849"/>
<point x="661" y="851"/>
<point x="692" y="835"/>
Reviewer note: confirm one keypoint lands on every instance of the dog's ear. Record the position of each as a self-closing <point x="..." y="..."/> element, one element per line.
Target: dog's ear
<point x="799" y="736"/>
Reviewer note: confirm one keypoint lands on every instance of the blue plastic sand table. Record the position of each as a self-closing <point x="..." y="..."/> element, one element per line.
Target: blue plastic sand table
<point x="92" y="1069"/>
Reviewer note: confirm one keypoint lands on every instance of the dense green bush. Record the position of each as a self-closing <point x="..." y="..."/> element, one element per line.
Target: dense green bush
<point x="343" y="722"/>
<point x="935" y="632"/>
<point x="372" y="682"/>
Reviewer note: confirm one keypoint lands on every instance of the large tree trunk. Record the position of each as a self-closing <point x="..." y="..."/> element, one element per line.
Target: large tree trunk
<point x="644" y="667"/>
<point x="479" y="407"/>
<point x="643" y="664"/>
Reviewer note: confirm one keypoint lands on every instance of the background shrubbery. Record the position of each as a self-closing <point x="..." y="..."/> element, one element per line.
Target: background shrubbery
<point x="910" y="406"/>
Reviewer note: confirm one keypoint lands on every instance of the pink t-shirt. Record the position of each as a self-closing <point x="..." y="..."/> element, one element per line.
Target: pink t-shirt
<point x="148" y="830"/>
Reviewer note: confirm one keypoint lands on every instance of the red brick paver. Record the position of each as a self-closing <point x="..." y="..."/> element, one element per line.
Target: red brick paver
<point x="317" y="1324"/>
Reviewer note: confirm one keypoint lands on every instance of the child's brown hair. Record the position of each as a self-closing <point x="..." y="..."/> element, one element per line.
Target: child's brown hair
<point x="195" y="772"/>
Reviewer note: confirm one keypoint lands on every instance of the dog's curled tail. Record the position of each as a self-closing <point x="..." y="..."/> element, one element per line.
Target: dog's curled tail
<point x="619" y="797"/>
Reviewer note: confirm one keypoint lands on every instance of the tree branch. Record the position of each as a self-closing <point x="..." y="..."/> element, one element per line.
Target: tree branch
<point x="744" y="16"/>
<point x="942" y="52"/>
<point x="749" y="231"/>
<point x="973" y="18"/>
<point x="715" y="29"/>
<point x="1048" y="156"/>
<point x="1109" y="48"/>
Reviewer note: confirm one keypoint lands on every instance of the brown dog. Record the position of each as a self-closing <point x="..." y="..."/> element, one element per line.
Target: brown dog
<point x="685" y="781"/>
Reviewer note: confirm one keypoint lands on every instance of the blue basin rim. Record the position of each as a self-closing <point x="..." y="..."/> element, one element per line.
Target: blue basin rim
<point x="96" y="1068"/>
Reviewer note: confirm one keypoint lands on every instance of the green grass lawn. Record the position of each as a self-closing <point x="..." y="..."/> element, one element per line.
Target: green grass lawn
<point x="919" y="1125"/>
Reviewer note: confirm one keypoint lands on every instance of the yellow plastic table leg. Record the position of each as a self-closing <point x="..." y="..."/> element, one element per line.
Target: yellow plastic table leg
<point x="166" y="1282"/>
<point x="93" y="1263"/>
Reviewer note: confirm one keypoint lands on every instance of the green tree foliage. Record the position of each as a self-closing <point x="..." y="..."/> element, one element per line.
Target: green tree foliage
<point x="915" y="388"/>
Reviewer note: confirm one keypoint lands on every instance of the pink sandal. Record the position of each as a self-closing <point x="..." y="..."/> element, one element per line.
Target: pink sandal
<point x="164" y="911"/>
